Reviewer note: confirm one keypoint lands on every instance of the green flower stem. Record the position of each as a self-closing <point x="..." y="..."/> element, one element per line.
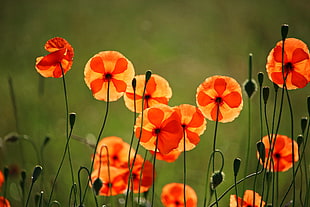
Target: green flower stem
<point x="153" y="175"/>
<point x="233" y="186"/>
<point x="99" y="135"/>
<point x="184" y="166"/>
<point x="139" y="138"/>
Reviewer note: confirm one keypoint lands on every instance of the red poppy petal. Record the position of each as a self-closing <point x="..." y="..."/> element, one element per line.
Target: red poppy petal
<point x="166" y="142"/>
<point x="203" y="99"/>
<point x="57" y="73"/>
<point x="220" y="85"/>
<point x="131" y="96"/>
<point x="277" y="77"/>
<point x="96" y="64"/>
<point x="299" y="55"/>
<point x="298" y="80"/>
<point x="193" y="137"/>
<point x="277" y="54"/>
<point x="120" y="66"/>
<point x="214" y="113"/>
<point x="151" y="86"/>
<point x="197" y="120"/>
<point x="51" y="59"/>
<point x="119" y="85"/>
<point x="155" y="116"/>
<point x="96" y="85"/>
<point x="233" y="99"/>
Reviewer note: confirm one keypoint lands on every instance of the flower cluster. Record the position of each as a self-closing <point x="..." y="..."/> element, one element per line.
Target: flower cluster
<point x="166" y="131"/>
<point x="111" y="167"/>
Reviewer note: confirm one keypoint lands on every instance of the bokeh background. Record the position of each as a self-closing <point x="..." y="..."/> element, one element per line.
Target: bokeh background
<point x="183" y="41"/>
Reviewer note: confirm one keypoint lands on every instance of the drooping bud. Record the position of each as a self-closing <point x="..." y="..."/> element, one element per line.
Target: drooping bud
<point x="237" y="163"/>
<point x="72" y="117"/>
<point x="303" y="123"/>
<point x="300" y="140"/>
<point x="148" y="75"/>
<point x="284" y="31"/>
<point x="265" y="94"/>
<point x="36" y="173"/>
<point x="260" y="77"/>
<point x="97" y="185"/>
<point x="261" y="151"/>
<point x="216" y="179"/>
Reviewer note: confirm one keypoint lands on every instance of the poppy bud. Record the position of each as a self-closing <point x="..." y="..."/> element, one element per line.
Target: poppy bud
<point x="261" y="150"/>
<point x="237" y="163"/>
<point x="134" y="83"/>
<point x="97" y="185"/>
<point x="216" y="179"/>
<point x="46" y="140"/>
<point x="265" y="94"/>
<point x="148" y="75"/>
<point x="304" y="122"/>
<point x="260" y="77"/>
<point x="250" y="87"/>
<point x="11" y="137"/>
<point x="22" y="182"/>
<point x="284" y="31"/>
<point x="300" y="140"/>
<point x="36" y="173"/>
<point x="72" y="116"/>
<point x="6" y="173"/>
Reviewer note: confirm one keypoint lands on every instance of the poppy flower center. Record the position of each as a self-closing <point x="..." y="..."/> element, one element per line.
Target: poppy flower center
<point x="147" y="97"/>
<point x="177" y="203"/>
<point x="108" y="76"/>
<point x="115" y="157"/>
<point x="288" y="67"/>
<point x="277" y="155"/>
<point x="183" y="126"/>
<point x="157" y="131"/>
<point x="218" y="100"/>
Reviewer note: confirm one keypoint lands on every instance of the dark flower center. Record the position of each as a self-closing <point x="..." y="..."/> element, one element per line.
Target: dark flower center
<point x="218" y="100"/>
<point x="115" y="157"/>
<point x="288" y="67"/>
<point x="184" y="126"/>
<point x="277" y="155"/>
<point x="108" y="76"/>
<point x="147" y="97"/>
<point x="157" y="131"/>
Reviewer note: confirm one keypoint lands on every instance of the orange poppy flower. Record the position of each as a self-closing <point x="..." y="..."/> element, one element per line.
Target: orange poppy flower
<point x="159" y="122"/>
<point x="157" y="91"/>
<point x="281" y="158"/>
<point x="118" y="152"/>
<point x="60" y="57"/>
<point x="115" y="184"/>
<point x="296" y="64"/>
<point x="194" y="124"/>
<point x="247" y="200"/>
<point x="219" y="92"/>
<point x="170" y="157"/>
<point x="108" y="67"/>
<point x="4" y="202"/>
<point x="1" y="179"/>
<point x="147" y="175"/>
<point x="172" y="195"/>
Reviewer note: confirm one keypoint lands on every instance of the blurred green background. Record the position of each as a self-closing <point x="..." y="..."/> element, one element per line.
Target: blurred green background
<point x="183" y="41"/>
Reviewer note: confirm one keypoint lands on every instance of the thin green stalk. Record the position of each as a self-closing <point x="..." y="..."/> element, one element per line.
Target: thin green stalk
<point x="238" y="182"/>
<point x="147" y="77"/>
<point x="100" y="132"/>
<point x="153" y="172"/>
<point x="184" y="166"/>
<point x="60" y="166"/>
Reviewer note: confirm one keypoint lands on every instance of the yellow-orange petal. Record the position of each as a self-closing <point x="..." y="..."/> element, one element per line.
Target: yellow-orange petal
<point x="296" y="64"/>
<point x="159" y="122"/>
<point x="219" y="93"/>
<point x="281" y="158"/>
<point x="194" y="124"/>
<point x="115" y="71"/>
<point x="157" y="91"/>
<point x="172" y="195"/>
